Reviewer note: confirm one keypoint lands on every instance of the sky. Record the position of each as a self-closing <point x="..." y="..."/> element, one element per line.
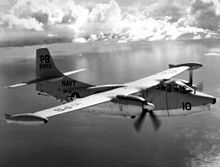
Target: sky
<point x="5" y="5"/>
<point x="124" y="20"/>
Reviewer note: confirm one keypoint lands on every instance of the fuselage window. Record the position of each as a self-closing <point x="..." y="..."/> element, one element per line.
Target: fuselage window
<point x="163" y="87"/>
<point x="176" y="88"/>
<point x="169" y="88"/>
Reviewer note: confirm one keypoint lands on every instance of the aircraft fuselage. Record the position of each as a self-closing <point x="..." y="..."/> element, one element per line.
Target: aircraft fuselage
<point x="170" y="99"/>
<point x="166" y="104"/>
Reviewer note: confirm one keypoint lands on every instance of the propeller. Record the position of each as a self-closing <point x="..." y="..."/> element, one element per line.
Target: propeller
<point x="200" y="86"/>
<point x="139" y="122"/>
<point x="156" y="122"/>
<point x="191" y="77"/>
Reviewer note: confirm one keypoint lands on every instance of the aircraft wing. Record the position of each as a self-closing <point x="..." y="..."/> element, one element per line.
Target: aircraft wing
<point x="130" y="88"/>
<point x="74" y="105"/>
<point x="153" y="80"/>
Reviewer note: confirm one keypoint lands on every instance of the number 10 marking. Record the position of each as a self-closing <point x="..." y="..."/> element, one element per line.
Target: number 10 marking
<point x="187" y="106"/>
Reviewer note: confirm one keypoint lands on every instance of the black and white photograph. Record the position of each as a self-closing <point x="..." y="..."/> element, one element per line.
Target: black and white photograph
<point x="110" y="83"/>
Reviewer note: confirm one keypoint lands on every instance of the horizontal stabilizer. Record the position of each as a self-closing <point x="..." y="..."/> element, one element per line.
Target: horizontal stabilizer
<point x="192" y="66"/>
<point x="44" y="79"/>
<point x="73" y="72"/>
<point x="16" y="85"/>
<point x="30" y="82"/>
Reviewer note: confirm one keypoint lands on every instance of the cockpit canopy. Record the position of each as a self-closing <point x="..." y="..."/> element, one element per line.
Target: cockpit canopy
<point x="175" y="86"/>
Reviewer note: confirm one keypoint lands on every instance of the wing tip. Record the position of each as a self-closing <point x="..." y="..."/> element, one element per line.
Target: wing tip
<point x="7" y="116"/>
<point x="192" y="66"/>
<point x="25" y="119"/>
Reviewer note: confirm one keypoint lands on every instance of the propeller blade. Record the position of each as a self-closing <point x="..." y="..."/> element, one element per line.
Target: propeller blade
<point x="200" y="86"/>
<point x="190" y="77"/>
<point x="139" y="122"/>
<point x="156" y="122"/>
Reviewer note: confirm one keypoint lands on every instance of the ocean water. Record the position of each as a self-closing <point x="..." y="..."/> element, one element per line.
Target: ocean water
<point x="82" y="139"/>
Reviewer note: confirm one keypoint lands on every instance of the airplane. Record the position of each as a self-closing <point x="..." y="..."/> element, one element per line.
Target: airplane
<point x="157" y="95"/>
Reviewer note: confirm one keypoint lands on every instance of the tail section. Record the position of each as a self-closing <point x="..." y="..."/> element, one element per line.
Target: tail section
<point x="50" y="81"/>
<point x="45" y="67"/>
<point x="55" y="83"/>
<point x="47" y="72"/>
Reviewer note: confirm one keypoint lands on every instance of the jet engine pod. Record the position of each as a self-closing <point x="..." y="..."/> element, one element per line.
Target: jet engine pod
<point x="26" y="119"/>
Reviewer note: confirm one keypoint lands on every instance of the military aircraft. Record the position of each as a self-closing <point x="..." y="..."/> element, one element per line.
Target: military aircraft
<point x="156" y="95"/>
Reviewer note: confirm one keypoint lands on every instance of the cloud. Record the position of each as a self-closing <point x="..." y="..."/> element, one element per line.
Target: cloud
<point x="10" y="21"/>
<point x="165" y="8"/>
<point x="69" y="21"/>
<point x="46" y="13"/>
<point x="103" y="18"/>
<point x="204" y="14"/>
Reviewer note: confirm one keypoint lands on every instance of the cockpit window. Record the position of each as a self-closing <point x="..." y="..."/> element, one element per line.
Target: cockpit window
<point x="174" y="87"/>
<point x="185" y="90"/>
<point x="169" y="88"/>
<point x="164" y="87"/>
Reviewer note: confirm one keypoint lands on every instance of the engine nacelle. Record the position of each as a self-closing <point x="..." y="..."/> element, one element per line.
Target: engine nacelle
<point x="148" y="106"/>
<point x="132" y="98"/>
<point x="26" y="119"/>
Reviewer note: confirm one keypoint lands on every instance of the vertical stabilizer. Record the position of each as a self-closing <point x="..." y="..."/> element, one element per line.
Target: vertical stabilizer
<point x="52" y="82"/>
<point x="45" y="67"/>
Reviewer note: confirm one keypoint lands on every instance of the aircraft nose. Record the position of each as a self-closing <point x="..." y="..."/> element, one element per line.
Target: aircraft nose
<point x="213" y="100"/>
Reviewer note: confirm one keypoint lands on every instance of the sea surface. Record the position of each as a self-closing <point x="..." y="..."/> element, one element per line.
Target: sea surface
<point x="79" y="139"/>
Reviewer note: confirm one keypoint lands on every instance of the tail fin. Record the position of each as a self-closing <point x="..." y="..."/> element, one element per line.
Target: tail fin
<point x="45" y="67"/>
